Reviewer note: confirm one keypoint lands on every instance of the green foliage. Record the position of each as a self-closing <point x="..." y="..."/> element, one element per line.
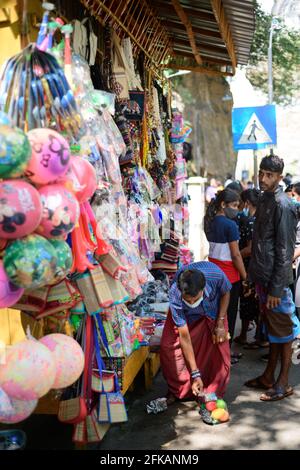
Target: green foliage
<point x="286" y="58"/>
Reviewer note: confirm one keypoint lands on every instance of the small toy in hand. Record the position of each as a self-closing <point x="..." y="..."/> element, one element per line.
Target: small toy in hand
<point x="213" y="410"/>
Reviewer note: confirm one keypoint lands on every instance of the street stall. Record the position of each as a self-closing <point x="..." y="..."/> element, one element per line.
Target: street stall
<point x="94" y="214"/>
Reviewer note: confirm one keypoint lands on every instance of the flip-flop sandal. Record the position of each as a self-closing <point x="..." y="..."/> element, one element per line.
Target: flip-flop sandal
<point x="256" y="384"/>
<point x="238" y="340"/>
<point x="234" y="360"/>
<point x="277" y="393"/>
<point x="255" y="345"/>
<point x="236" y="355"/>
<point x="252" y="346"/>
<point x="171" y="399"/>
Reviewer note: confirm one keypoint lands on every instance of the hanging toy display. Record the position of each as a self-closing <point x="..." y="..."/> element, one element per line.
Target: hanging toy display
<point x="30" y="262"/>
<point x="9" y="293"/>
<point x="20" y="209"/>
<point x="64" y="259"/>
<point x="60" y="211"/>
<point x="68" y="356"/>
<point x="42" y="36"/>
<point x="15" y="151"/>
<point x="4" y="119"/>
<point x="29" y="370"/>
<point x="50" y="158"/>
<point x="14" y="411"/>
<point x="35" y="93"/>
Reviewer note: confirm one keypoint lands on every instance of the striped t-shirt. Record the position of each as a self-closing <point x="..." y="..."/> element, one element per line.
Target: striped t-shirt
<point x="216" y="286"/>
<point x="222" y="231"/>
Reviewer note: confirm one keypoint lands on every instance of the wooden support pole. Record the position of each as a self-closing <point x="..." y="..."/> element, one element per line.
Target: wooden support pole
<point x="225" y="31"/>
<point x="189" y="29"/>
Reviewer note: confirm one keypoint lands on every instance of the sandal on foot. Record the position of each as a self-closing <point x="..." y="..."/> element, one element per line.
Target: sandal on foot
<point x="277" y="392"/>
<point x="238" y="340"/>
<point x="171" y="399"/>
<point x="257" y="384"/>
<point x="252" y="346"/>
<point x="255" y="345"/>
<point x="234" y="360"/>
<point x="236" y="355"/>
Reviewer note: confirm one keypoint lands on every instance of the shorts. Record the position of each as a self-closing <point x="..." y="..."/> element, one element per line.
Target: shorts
<point x="281" y="323"/>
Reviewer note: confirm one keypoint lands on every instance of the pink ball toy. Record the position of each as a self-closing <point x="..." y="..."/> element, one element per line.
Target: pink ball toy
<point x="86" y="177"/>
<point x="50" y="158"/>
<point x="60" y="211"/>
<point x="20" y="209"/>
<point x="13" y="411"/>
<point x="28" y="372"/>
<point x="68" y="356"/>
<point x="9" y="293"/>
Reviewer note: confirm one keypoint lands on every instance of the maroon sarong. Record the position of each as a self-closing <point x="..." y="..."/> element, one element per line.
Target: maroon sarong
<point x="213" y="360"/>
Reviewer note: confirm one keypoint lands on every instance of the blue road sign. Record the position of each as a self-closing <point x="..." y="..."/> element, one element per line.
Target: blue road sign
<point x="254" y="127"/>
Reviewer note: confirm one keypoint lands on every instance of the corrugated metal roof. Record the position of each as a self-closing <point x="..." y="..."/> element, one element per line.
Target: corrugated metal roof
<point x="214" y="50"/>
<point x="240" y="15"/>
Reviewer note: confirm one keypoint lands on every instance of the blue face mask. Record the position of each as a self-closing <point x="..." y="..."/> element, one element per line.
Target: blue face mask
<point x="295" y="201"/>
<point x="246" y="212"/>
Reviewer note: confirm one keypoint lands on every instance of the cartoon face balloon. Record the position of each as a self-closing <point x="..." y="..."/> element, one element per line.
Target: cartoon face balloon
<point x="60" y="211"/>
<point x="30" y="262"/>
<point x="64" y="259"/>
<point x="50" y="157"/>
<point x="20" y="209"/>
<point x="15" y="151"/>
<point x="9" y="293"/>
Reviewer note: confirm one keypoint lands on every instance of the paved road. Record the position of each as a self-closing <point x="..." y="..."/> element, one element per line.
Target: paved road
<point x="253" y="425"/>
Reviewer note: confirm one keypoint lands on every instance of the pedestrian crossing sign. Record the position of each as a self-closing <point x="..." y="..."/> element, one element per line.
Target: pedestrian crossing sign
<point x="254" y="127"/>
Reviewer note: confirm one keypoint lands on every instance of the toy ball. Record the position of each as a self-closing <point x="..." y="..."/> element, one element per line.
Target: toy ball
<point x="29" y="370"/>
<point x="86" y="177"/>
<point x="15" y="150"/>
<point x="211" y="405"/>
<point x="68" y="357"/>
<point x="60" y="211"/>
<point x="4" y="119"/>
<point x="50" y="158"/>
<point x="64" y="259"/>
<point x="221" y="404"/>
<point x="3" y="244"/>
<point x="20" y="209"/>
<point x="220" y="415"/>
<point x="30" y="262"/>
<point x="13" y="411"/>
<point x="9" y="293"/>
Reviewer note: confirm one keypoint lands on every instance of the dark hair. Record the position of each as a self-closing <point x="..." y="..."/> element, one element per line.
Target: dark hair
<point x="289" y="188"/>
<point x="227" y="196"/>
<point x="191" y="282"/>
<point x="272" y="163"/>
<point x="235" y="186"/>
<point x="251" y="195"/>
<point x="296" y="188"/>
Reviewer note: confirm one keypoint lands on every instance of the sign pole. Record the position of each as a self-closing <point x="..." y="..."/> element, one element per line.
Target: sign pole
<point x="255" y="168"/>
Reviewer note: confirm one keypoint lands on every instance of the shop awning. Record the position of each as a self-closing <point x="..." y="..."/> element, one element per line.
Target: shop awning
<point x="210" y="36"/>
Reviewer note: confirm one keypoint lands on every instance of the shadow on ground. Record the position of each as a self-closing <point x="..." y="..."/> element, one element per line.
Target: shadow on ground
<point x="253" y="424"/>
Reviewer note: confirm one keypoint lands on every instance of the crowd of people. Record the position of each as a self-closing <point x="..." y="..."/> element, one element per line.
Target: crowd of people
<point x="254" y="243"/>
